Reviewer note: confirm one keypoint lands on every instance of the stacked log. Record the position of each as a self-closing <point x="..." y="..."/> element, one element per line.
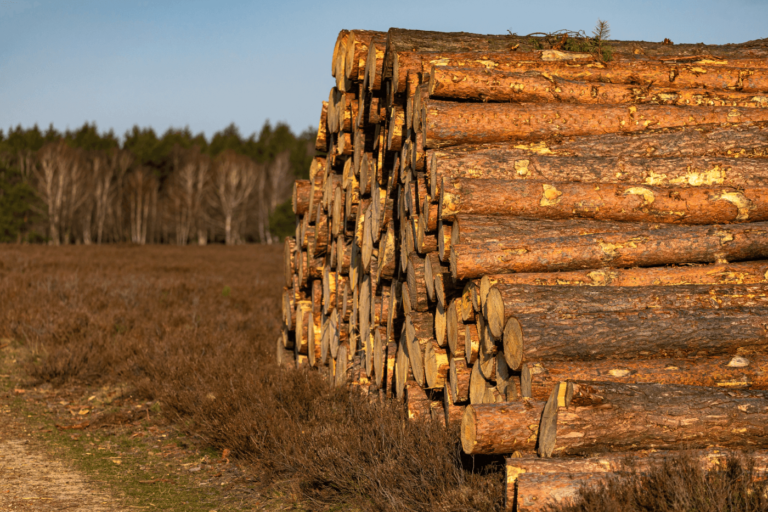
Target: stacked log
<point x="541" y="245"/>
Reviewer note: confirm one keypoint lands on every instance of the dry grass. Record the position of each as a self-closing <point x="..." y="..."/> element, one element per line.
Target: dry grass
<point x="678" y="485"/>
<point x="194" y="327"/>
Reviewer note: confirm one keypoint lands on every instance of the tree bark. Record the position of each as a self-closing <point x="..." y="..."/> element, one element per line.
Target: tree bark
<point x="696" y="154"/>
<point x="661" y="245"/>
<point x="745" y="272"/>
<point x="604" y="201"/>
<point x="453" y="124"/>
<point x="455" y="83"/>
<point x="528" y="476"/>
<point x="512" y="300"/>
<point x="501" y="232"/>
<point x="540" y="492"/>
<point x="726" y="372"/>
<point x="654" y="333"/>
<point x="289" y="260"/>
<point x="519" y="164"/>
<point x="615" y="417"/>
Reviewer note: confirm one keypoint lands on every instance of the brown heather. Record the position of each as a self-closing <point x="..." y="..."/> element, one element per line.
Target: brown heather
<point x="195" y="327"/>
<point x="678" y="484"/>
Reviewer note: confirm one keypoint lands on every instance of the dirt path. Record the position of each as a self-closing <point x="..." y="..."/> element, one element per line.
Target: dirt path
<point x="31" y="480"/>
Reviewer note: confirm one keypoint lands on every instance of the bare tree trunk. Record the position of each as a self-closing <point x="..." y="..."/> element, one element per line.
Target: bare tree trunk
<point x="234" y="178"/>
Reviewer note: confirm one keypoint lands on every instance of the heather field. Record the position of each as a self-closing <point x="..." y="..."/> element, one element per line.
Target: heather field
<point x="181" y="340"/>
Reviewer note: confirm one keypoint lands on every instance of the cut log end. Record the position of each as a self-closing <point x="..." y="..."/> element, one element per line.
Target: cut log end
<point x="493" y="307"/>
<point x="560" y="397"/>
<point x="468" y="430"/>
<point x="513" y="344"/>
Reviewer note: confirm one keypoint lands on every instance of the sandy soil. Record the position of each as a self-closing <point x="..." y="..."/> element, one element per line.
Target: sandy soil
<point x="31" y="480"/>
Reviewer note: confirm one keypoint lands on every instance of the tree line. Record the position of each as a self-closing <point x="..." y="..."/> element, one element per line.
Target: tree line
<point x="88" y="187"/>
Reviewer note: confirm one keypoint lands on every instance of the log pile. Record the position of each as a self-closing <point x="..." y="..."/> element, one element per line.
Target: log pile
<point x="562" y="253"/>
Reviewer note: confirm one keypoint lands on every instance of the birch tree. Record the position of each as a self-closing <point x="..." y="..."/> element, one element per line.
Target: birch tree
<point x="186" y="187"/>
<point x="234" y="178"/>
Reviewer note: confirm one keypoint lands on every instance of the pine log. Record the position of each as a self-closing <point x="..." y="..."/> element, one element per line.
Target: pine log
<point x="357" y="47"/>
<point x="396" y="129"/>
<point x="518" y="164"/>
<point x="424" y="242"/>
<point x="303" y="321"/>
<point x="321" y="141"/>
<point x="487" y="355"/>
<point x="417" y="285"/>
<point x="288" y="306"/>
<point x="527" y="477"/>
<point x="429" y="215"/>
<point x="477" y="385"/>
<point x="604" y="201"/>
<point x="432" y="266"/>
<point x="655" y="333"/>
<point x="374" y="64"/>
<point x="330" y="281"/>
<point x="499" y="231"/>
<point x="511" y="300"/>
<point x="727" y="372"/>
<point x="460" y="374"/>
<point x="591" y="417"/>
<point x="662" y="245"/>
<point x="745" y="272"/>
<point x="501" y="428"/>
<point x="445" y="287"/>
<point x="744" y="73"/>
<point x="391" y="360"/>
<point x="441" y="327"/>
<point x="342" y="364"/>
<point x="704" y="147"/>
<point x="289" y="260"/>
<point x="418" y="334"/>
<point x="455" y="331"/>
<point x="465" y="308"/>
<point x="444" y="240"/>
<point x="402" y="369"/>
<point x="322" y="238"/>
<point x="379" y="356"/>
<point x="471" y="343"/>
<point x="285" y="357"/>
<point x="436" y="366"/>
<point x="451" y="410"/>
<point x="395" y="307"/>
<point x="300" y="196"/>
<point x="447" y="123"/>
<point x="455" y="83"/>
<point x="417" y="404"/>
<point x="540" y="492"/>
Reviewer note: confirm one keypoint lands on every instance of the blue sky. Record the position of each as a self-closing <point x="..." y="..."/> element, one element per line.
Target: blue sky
<point x="205" y="64"/>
